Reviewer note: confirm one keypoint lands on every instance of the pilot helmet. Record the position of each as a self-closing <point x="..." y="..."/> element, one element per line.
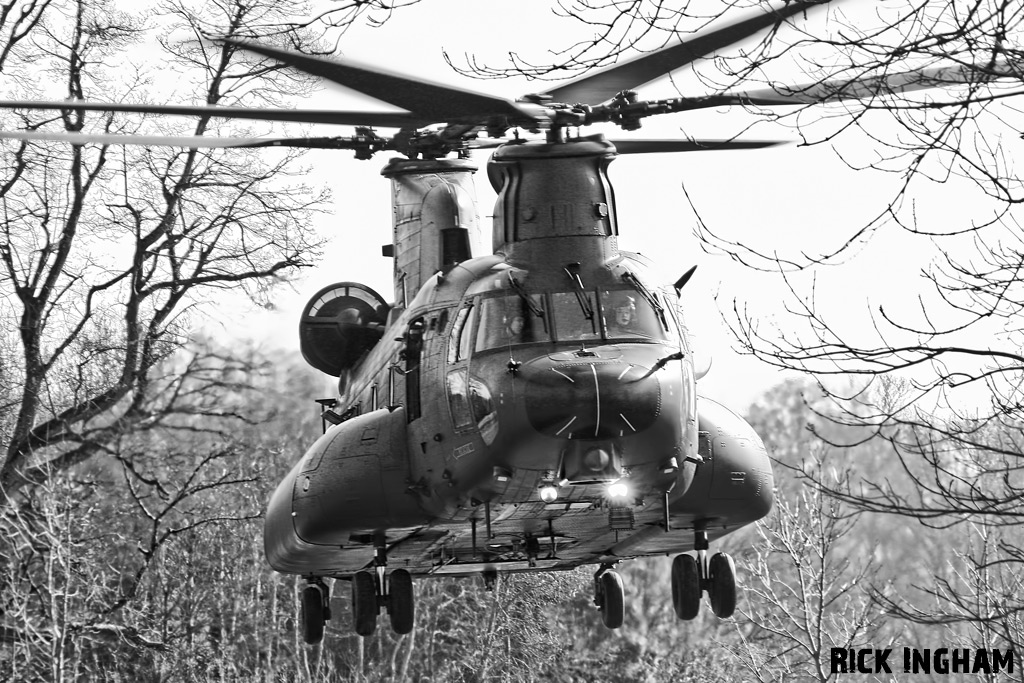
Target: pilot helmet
<point x="624" y="308"/>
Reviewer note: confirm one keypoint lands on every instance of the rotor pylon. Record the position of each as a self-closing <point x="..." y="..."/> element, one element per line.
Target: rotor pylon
<point x="434" y="218"/>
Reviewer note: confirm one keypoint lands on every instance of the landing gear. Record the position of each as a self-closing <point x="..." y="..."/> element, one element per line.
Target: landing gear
<point x="314" y="610"/>
<point x="609" y="596"/>
<point x="364" y="603"/>
<point x="374" y="589"/>
<point x="400" y="601"/>
<point x="722" y="585"/>
<point x="691" y="577"/>
<point x="532" y="550"/>
<point x="490" y="579"/>
<point x="686" y="587"/>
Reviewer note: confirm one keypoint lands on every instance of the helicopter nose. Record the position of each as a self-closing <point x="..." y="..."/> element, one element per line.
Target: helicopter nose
<point x="590" y="398"/>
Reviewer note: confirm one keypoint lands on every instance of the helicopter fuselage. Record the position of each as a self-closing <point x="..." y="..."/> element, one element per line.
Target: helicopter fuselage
<point x="531" y="409"/>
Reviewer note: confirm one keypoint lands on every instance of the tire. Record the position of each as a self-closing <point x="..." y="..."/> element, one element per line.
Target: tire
<point x="401" y="601"/>
<point x="723" y="585"/>
<point x="686" y="590"/>
<point x="311" y="605"/>
<point x="364" y="603"/>
<point x="613" y="601"/>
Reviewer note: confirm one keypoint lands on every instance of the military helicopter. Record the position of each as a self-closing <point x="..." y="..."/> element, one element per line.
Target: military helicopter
<point x="531" y="407"/>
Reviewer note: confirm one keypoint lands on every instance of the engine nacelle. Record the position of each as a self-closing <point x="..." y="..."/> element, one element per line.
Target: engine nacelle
<point x="352" y="482"/>
<point x="339" y="326"/>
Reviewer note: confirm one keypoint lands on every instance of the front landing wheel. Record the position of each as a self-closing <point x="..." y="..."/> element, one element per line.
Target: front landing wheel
<point x="401" y="603"/>
<point x="364" y="603"/>
<point x="686" y="589"/>
<point x="722" y="585"/>
<point x="612" y="599"/>
<point x="312" y="614"/>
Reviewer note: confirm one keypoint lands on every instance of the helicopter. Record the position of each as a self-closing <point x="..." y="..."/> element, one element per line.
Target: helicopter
<point x="528" y="407"/>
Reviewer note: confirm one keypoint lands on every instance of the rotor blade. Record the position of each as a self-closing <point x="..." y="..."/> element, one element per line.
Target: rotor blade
<point x="872" y="86"/>
<point x="187" y="141"/>
<point x="421" y="97"/>
<point x="648" y="146"/>
<point x="631" y="74"/>
<point x="347" y="118"/>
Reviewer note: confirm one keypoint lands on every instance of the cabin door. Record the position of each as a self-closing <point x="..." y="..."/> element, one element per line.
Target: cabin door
<point x="413" y="365"/>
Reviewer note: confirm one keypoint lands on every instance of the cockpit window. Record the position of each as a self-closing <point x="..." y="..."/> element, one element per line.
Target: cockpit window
<point x="627" y="314"/>
<point x="508" y="319"/>
<point x="458" y="347"/>
<point x="511" y="319"/>
<point x="570" y="313"/>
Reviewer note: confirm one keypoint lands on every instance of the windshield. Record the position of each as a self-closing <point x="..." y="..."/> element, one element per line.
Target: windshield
<point x="570" y="315"/>
<point x="511" y="319"/>
<point x="628" y="314"/>
<point x="508" y="319"/>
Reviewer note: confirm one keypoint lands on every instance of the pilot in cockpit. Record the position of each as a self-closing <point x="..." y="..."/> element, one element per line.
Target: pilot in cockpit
<point x="623" y="315"/>
<point x="515" y="328"/>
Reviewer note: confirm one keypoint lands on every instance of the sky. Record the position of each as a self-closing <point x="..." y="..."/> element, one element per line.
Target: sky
<point x="790" y="199"/>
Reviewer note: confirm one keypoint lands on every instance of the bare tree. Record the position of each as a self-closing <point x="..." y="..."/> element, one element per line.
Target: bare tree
<point x="129" y="450"/>
<point x="805" y="593"/>
<point x="103" y="269"/>
<point x="147" y="562"/>
<point x="938" y="366"/>
<point x="617" y="29"/>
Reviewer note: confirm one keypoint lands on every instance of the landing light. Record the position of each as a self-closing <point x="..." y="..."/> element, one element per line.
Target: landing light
<point x="618" y="489"/>
<point x="549" y="493"/>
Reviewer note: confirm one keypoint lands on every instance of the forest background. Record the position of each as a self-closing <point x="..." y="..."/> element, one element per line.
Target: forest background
<point x="139" y="452"/>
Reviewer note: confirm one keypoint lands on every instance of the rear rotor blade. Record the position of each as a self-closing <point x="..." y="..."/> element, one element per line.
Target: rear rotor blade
<point x="631" y="74"/>
<point x="347" y="118"/>
<point x="439" y="103"/>
<point x="650" y="146"/>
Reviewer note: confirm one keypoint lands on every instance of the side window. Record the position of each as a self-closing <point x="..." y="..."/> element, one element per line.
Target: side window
<point x="470" y="403"/>
<point x="490" y="332"/>
<point x="458" y="399"/>
<point x="673" y="310"/>
<point x="459" y="342"/>
<point x="455" y="338"/>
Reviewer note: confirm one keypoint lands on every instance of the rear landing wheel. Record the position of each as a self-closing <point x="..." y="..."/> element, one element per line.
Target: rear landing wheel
<point x="401" y="603"/>
<point x="312" y="614"/>
<point x="686" y="590"/>
<point x="611" y="599"/>
<point x="364" y="603"/>
<point x="722" y="585"/>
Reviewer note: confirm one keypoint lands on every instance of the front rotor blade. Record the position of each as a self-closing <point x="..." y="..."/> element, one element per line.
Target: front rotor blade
<point x="874" y="86"/>
<point x="440" y="103"/>
<point x="633" y="73"/>
<point x="650" y="146"/>
<point x="186" y="141"/>
<point x="346" y="118"/>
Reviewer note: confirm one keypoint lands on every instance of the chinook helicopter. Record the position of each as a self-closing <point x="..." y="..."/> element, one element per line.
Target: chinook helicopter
<point x="531" y="407"/>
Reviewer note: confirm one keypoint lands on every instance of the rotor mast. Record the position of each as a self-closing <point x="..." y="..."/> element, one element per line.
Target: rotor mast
<point x="553" y="190"/>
